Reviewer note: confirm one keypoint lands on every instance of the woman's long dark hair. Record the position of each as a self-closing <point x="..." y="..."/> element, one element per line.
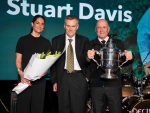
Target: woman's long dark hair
<point x="35" y="18"/>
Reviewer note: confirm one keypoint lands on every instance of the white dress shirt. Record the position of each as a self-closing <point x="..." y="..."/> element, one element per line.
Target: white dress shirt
<point x="76" y="64"/>
<point x="106" y="39"/>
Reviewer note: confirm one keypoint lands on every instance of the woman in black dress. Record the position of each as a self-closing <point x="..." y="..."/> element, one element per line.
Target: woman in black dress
<point x="31" y="100"/>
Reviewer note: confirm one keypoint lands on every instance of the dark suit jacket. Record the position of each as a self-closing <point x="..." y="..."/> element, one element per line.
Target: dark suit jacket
<point x="95" y="73"/>
<point x="81" y="48"/>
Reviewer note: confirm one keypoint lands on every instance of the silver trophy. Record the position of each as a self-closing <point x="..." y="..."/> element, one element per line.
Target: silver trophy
<point x="109" y="60"/>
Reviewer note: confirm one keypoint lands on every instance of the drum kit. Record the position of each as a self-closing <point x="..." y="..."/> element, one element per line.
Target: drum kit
<point x="136" y="94"/>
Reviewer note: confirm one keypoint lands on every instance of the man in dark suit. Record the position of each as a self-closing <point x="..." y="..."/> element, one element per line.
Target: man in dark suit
<point x="68" y="74"/>
<point x="100" y="88"/>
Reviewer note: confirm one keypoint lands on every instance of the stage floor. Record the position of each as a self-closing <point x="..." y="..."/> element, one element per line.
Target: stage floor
<point x="6" y="96"/>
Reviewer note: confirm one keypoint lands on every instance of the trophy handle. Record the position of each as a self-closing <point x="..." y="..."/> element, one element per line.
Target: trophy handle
<point x="122" y="54"/>
<point x="97" y="52"/>
<point x="96" y="63"/>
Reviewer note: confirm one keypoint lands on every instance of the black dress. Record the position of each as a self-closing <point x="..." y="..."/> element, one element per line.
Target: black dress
<point x="31" y="100"/>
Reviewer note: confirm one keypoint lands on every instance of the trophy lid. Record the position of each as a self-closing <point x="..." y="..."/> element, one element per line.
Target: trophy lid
<point x="111" y="45"/>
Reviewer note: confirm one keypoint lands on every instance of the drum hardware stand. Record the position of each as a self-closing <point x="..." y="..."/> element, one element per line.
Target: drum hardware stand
<point x="140" y="81"/>
<point x="90" y="106"/>
<point x="140" y="89"/>
<point x="4" y="105"/>
<point x="141" y="98"/>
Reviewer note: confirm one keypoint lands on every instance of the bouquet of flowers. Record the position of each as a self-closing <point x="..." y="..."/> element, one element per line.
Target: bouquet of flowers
<point x="37" y="66"/>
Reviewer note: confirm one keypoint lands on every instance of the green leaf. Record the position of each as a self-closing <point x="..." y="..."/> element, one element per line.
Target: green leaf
<point x="46" y="54"/>
<point x="42" y="55"/>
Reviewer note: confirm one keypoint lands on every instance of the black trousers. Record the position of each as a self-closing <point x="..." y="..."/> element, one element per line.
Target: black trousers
<point x="72" y="97"/>
<point x="114" y="99"/>
<point x="31" y="100"/>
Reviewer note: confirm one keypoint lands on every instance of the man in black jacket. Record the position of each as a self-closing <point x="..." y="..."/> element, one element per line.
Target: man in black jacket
<point x="71" y="85"/>
<point x="100" y="88"/>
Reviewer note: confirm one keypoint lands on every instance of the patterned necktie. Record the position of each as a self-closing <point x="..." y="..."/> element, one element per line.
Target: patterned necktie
<point x="103" y="43"/>
<point x="70" y="57"/>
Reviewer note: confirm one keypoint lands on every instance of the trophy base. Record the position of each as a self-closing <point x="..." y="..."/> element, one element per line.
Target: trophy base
<point x="109" y="76"/>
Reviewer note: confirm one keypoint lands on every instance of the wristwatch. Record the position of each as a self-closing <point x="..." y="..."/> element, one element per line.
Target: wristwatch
<point x="19" y="69"/>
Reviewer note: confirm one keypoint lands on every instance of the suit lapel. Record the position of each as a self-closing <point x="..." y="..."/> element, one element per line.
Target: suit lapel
<point x="77" y="45"/>
<point x="61" y="64"/>
<point x="62" y="42"/>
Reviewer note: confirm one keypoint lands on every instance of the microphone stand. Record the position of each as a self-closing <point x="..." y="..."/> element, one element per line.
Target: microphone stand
<point x="140" y="89"/>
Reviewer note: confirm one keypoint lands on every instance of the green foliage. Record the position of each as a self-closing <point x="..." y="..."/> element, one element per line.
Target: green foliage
<point x="43" y="56"/>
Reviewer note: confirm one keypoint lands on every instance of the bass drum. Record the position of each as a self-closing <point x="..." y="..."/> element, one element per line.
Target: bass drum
<point x="146" y="84"/>
<point x="127" y="85"/>
<point x="133" y="104"/>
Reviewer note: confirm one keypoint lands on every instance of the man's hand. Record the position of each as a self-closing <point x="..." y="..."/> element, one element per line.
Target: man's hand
<point x="128" y="55"/>
<point x="55" y="87"/>
<point x="87" y="79"/>
<point x="91" y="54"/>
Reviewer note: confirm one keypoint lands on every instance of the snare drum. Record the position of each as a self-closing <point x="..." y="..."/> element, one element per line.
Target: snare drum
<point x="127" y="85"/>
<point x="146" y="84"/>
<point x="133" y="104"/>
